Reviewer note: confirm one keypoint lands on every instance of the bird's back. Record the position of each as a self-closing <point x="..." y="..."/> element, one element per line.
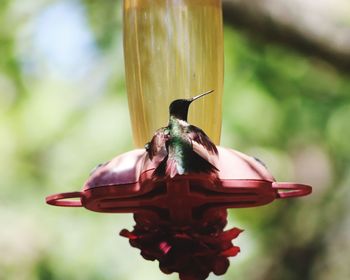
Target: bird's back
<point x="188" y="150"/>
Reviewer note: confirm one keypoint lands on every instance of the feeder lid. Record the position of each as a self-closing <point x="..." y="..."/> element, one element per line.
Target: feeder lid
<point x="234" y="165"/>
<point x="123" y="169"/>
<point x="126" y="184"/>
<point x="128" y="167"/>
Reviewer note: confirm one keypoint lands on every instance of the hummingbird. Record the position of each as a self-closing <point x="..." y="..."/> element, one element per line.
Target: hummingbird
<point x="181" y="148"/>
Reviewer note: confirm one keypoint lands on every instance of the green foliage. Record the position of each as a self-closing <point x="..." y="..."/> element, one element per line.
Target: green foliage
<point x="105" y="20"/>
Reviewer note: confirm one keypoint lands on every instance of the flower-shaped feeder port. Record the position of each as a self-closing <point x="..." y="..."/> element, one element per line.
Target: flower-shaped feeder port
<point x="180" y="221"/>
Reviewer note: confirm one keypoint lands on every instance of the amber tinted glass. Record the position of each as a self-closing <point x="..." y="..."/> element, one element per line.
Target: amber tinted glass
<point x="173" y="49"/>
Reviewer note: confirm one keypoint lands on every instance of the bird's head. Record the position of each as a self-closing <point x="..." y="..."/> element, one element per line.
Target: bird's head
<point x="179" y="107"/>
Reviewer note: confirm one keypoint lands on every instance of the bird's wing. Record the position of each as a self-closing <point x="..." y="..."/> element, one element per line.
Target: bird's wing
<point x="157" y="146"/>
<point x="202" y="145"/>
<point x="198" y="135"/>
<point x="204" y="156"/>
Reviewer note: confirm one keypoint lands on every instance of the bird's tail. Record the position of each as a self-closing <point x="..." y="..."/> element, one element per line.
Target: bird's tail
<point x="160" y="171"/>
<point x="167" y="167"/>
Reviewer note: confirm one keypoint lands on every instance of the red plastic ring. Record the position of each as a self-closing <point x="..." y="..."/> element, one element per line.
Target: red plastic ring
<point x="287" y="190"/>
<point x="61" y="199"/>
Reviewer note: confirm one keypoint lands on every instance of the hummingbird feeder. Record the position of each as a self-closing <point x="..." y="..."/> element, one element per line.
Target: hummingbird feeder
<point x="180" y="219"/>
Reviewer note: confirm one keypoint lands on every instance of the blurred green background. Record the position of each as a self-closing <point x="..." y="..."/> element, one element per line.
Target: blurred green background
<point x="63" y="110"/>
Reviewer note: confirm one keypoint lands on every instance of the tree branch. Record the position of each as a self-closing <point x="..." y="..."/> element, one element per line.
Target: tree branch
<point x="290" y="25"/>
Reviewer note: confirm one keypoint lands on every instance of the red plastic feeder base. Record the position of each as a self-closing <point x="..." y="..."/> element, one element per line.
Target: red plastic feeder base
<point x="126" y="185"/>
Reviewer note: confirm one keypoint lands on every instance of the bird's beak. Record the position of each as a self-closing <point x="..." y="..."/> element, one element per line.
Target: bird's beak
<point x="200" y="95"/>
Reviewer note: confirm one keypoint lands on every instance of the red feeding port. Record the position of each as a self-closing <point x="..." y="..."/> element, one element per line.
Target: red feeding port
<point x="180" y="221"/>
